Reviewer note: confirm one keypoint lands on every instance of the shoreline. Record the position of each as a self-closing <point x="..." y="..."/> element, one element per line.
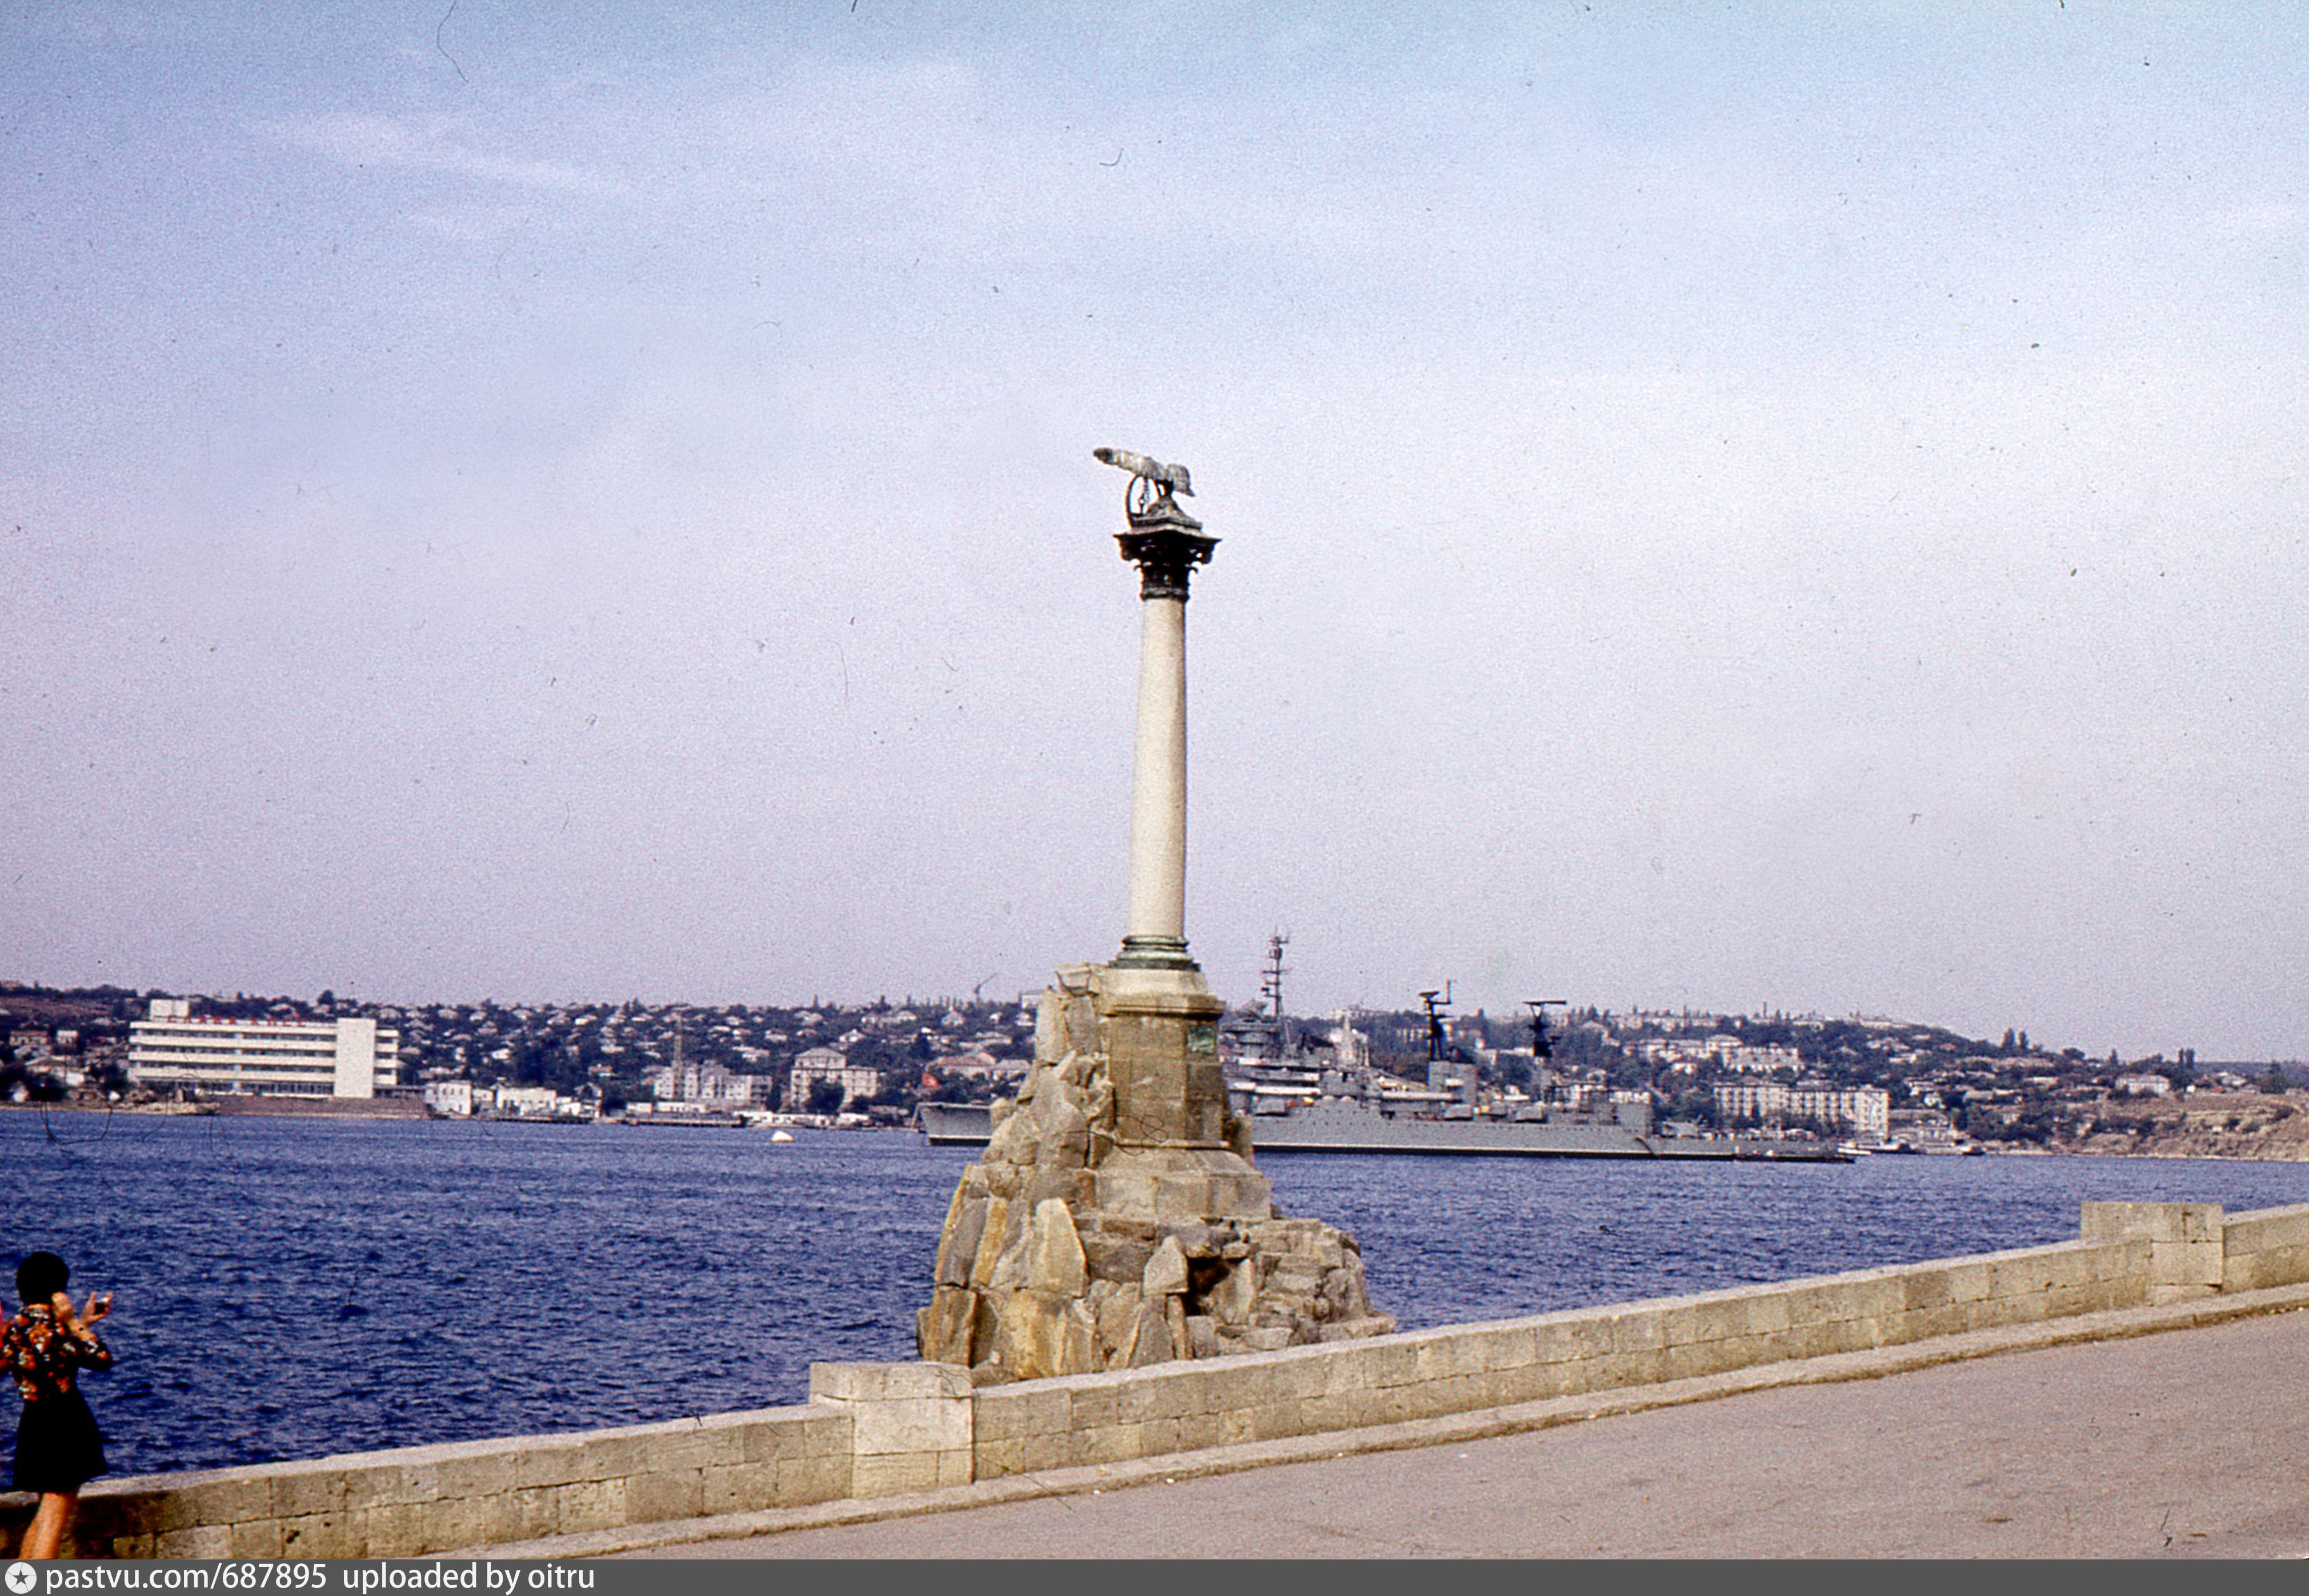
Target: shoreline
<point x="212" y="1108"/>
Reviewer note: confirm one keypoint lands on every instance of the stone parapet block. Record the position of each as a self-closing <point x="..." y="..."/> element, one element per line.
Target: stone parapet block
<point x="886" y="1382"/>
<point x="2186" y="1243"/>
<point x="913" y="1425"/>
<point x="2265" y="1248"/>
<point x="2159" y="1221"/>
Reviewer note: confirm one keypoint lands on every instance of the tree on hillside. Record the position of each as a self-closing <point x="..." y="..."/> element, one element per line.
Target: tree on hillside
<point x="539" y="1062"/>
<point x="1696" y="1104"/>
<point x="1764" y="1033"/>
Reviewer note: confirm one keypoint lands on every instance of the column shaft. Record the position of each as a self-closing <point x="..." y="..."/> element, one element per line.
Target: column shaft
<point x="1158" y="911"/>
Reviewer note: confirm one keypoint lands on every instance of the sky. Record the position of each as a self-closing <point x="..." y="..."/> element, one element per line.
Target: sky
<point x="1740" y="508"/>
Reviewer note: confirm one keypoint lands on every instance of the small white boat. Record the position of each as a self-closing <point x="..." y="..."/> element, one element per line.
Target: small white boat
<point x="780" y="1136"/>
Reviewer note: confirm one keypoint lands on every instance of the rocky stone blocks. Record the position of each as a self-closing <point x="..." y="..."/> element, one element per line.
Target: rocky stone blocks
<point x="1092" y="1237"/>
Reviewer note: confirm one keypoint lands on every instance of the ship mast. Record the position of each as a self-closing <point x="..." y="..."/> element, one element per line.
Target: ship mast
<point x="1270" y="986"/>
<point x="1542" y="1045"/>
<point x="1437" y="1000"/>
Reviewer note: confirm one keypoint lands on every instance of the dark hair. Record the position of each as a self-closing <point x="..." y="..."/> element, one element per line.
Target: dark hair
<point x="40" y="1276"/>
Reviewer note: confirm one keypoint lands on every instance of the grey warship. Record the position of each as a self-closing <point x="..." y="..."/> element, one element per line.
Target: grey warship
<point x="1347" y="1124"/>
<point x="1290" y="1102"/>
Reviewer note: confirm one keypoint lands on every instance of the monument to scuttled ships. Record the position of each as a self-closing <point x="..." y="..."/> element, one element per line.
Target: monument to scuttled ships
<point x="1116" y="1219"/>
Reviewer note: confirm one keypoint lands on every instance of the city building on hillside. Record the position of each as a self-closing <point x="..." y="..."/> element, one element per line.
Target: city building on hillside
<point x="709" y="1085"/>
<point x="979" y="1065"/>
<point x="2143" y="1085"/>
<point x="175" y="1049"/>
<point x="532" y="1102"/>
<point x="829" y="1064"/>
<point x="1865" y="1110"/>
<point x="1762" y="1060"/>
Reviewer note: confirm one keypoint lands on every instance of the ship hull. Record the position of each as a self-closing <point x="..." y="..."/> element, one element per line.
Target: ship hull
<point x="1342" y="1127"/>
<point x="956" y="1124"/>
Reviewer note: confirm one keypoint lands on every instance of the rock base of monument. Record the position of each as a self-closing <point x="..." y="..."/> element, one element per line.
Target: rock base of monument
<point x="1069" y="1252"/>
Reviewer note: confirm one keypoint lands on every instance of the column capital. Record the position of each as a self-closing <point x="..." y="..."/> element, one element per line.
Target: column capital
<point x="1166" y="543"/>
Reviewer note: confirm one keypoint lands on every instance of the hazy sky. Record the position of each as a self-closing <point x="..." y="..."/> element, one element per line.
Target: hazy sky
<point x="1738" y="506"/>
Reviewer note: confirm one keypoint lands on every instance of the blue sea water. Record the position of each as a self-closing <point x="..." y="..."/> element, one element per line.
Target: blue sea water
<point x="295" y="1288"/>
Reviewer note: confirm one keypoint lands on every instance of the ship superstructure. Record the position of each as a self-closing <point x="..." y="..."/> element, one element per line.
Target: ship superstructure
<point x="1269" y="1069"/>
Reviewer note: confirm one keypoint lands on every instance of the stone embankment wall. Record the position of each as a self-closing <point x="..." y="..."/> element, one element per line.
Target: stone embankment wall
<point x="884" y="1429"/>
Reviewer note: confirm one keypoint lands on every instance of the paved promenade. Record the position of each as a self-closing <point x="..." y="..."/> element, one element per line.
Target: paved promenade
<point x="2189" y="1443"/>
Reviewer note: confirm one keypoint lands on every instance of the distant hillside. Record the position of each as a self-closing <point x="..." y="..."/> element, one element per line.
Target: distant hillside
<point x="2256" y="1126"/>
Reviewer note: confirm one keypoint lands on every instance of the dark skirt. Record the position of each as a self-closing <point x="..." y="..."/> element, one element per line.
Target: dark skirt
<point x="58" y="1448"/>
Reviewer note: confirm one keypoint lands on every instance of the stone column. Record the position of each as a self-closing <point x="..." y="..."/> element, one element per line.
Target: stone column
<point x="1155" y="923"/>
<point x="1166" y="543"/>
<point x="1161" y="1020"/>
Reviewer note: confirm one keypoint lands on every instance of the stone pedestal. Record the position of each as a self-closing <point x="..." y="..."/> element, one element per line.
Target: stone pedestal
<point x="1176" y="1185"/>
<point x="1116" y="1219"/>
<point x="1160" y="1036"/>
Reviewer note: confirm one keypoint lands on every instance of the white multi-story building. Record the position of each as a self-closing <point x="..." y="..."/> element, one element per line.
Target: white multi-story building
<point x="176" y="1048"/>
<point x="1864" y="1110"/>
<point x="449" y="1096"/>
<point x="709" y="1085"/>
<point x="1763" y="1060"/>
<point x="531" y="1102"/>
<point x="828" y="1064"/>
<point x="979" y="1065"/>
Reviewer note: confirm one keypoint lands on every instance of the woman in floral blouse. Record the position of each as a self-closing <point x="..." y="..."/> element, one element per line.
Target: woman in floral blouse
<point x="43" y="1349"/>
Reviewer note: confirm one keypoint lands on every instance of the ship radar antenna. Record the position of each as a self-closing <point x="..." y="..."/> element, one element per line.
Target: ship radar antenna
<point x="1437" y="999"/>
<point x="1542" y="1045"/>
